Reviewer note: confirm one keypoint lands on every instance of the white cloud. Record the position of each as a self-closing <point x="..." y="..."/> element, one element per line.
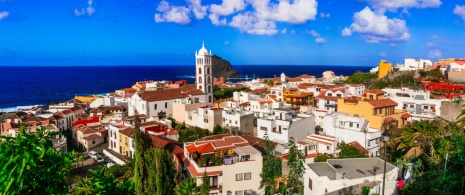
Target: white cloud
<point x="295" y="12"/>
<point x="251" y="24"/>
<point x="376" y="27"/>
<point x="392" y="45"/>
<point x="175" y="14"/>
<point x="4" y="14"/>
<point x="226" y="43"/>
<point x="393" y="5"/>
<point x="196" y="6"/>
<point x="323" y="15"/>
<point x="460" y="11"/>
<point x="227" y="7"/>
<point x="382" y="54"/>
<point x="435" y="53"/>
<point x="216" y="21"/>
<point x="320" y="40"/>
<point x="312" y="32"/>
<point x="88" y="11"/>
<point x="283" y="31"/>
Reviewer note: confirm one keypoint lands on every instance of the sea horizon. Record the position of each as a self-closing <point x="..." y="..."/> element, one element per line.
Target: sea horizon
<point x="42" y="85"/>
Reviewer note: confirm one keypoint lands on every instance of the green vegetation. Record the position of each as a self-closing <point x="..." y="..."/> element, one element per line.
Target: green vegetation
<point x="205" y="187"/>
<point x="30" y="165"/>
<point x="187" y="187"/>
<point x="346" y="151"/>
<point x="271" y="169"/>
<point x="219" y="93"/>
<point x="438" y="156"/>
<point x="102" y="184"/>
<point x="295" y="162"/>
<point x="370" y="80"/>
<point x="189" y="134"/>
<point x="360" y="77"/>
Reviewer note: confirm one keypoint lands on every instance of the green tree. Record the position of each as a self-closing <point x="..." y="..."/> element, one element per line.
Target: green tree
<point x="205" y="187"/>
<point x="187" y="187"/>
<point x="103" y="184"/>
<point x="142" y="144"/>
<point x="296" y="168"/>
<point x="219" y="130"/>
<point x="271" y="169"/>
<point x="30" y="164"/>
<point x="348" y="151"/>
<point x="324" y="157"/>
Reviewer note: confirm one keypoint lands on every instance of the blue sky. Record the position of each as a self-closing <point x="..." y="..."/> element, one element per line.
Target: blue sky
<point x="297" y="32"/>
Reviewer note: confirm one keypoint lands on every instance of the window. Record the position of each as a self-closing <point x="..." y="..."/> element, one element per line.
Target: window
<point x="247" y="176"/>
<point x="357" y="125"/>
<point x="239" y="177"/>
<point x="369" y="143"/>
<point x="155" y="106"/>
<point x="238" y="192"/>
<point x="310" y="183"/>
<point x="205" y="120"/>
<point x="380" y="111"/>
<point x="327" y="147"/>
<point x="236" y="122"/>
<point x="208" y="70"/>
<point x="200" y="70"/>
<point x="263" y="128"/>
<point x="312" y="147"/>
<point x="247" y="192"/>
<point x="93" y="141"/>
<point x="330" y="94"/>
<point x="200" y="79"/>
<point x="166" y="104"/>
<point x="274" y="129"/>
<point x="351" y="124"/>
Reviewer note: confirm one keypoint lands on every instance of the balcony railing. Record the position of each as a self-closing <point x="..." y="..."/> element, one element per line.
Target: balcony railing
<point x="58" y="142"/>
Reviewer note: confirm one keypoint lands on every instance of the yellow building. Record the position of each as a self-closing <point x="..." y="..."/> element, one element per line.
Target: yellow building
<point x="376" y="111"/>
<point x="384" y="68"/>
<point x="87" y="99"/>
<point x="126" y="146"/>
<point x="448" y="60"/>
<point x="296" y="98"/>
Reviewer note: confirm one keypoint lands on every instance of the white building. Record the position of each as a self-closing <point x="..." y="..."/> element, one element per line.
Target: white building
<point x="159" y="102"/>
<point x="285" y="123"/>
<point x="113" y="133"/>
<point x="315" y="145"/>
<point x="103" y="101"/>
<point x="417" y="103"/>
<point x="205" y="117"/>
<point x="411" y="64"/>
<point x="238" y="120"/>
<point x="350" y="128"/>
<point x="356" y="90"/>
<point x="88" y="137"/>
<point x="231" y="165"/>
<point x="338" y="175"/>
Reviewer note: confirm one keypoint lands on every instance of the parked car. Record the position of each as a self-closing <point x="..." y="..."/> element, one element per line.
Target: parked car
<point x="99" y="158"/>
<point x="92" y="154"/>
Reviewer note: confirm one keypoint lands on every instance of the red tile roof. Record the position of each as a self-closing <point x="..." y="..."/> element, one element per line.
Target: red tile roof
<point x="357" y="145"/>
<point x="388" y="119"/>
<point x="382" y="103"/>
<point x="406" y="115"/>
<point x="128" y="132"/>
<point x="172" y="93"/>
<point x="33" y="118"/>
<point x="305" y="76"/>
<point x="131" y="118"/>
<point x="92" y="137"/>
<point x="376" y="91"/>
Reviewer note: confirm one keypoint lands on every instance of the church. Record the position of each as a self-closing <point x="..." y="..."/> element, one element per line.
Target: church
<point x="158" y="103"/>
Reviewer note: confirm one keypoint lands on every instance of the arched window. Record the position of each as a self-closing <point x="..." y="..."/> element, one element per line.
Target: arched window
<point x="209" y="89"/>
<point x="200" y="87"/>
<point x="166" y="104"/>
<point x="200" y="79"/>
<point x="200" y="70"/>
<point x="208" y="70"/>
<point x="208" y="79"/>
<point x="210" y="99"/>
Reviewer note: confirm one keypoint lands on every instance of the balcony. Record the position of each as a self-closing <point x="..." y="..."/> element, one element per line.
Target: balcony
<point x="59" y="142"/>
<point x="296" y="102"/>
<point x="331" y="105"/>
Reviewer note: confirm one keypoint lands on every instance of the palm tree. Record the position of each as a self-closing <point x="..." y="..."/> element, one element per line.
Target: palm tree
<point x="84" y="187"/>
<point x="186" y="187"/>
<point x="460" y="120"/>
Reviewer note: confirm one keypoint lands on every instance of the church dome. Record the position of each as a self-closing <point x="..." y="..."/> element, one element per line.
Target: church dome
<point x="203" y="51"/>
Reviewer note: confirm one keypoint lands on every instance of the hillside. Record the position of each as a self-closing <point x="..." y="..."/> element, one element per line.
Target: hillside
<point x="223" y="68"/>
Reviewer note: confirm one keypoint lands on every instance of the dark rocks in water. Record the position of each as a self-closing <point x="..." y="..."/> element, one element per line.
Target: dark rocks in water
<point x="222" y="68"/>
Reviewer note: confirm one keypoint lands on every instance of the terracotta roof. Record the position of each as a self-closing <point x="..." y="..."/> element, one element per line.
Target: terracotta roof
<point x="76" y="109"/>
<point x="245" y="104"/>
<point x="382" y="103"/>
<point x="294" y="79"/>
<point x="14" y="116"/>
<point x="302" y="95"/>
<point x="313" y="155"/>
<point x="225" y="143"/>
<point x="67" y="112"/>
<point x="84" y="129"/>
<point x="258" y="91"/>
<point x="376" y="91"/>
<point x="174" y="147"/>
<point x="202" y="148"/>
<point x="6" y="126"/>
<point x="52" y="118"/>
<point x="128" y="89"/>
<point x="172" y="132"/>
<point x="33" y="118"/>
<point x="84" y="115"/>
<point x="406" y="115"/>
<point x="265" y="102"/>
<point x="273" y="97"/>
<point x="147" y="124"/>
<point x="357" y="145"/>
<point x="92" y="137"/>
<point x="131" y="118"/>
<point x="173" y="93"/>
<point x="128" y="132"/>
<point x="357" y="85"/>
<point x="21" y="114"/>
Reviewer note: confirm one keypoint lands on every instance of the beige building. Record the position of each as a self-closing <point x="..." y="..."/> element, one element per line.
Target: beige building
<point x="205" y="117"/>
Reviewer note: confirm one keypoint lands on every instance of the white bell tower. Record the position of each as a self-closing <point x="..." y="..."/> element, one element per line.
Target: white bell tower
<point x="203" y="69"/>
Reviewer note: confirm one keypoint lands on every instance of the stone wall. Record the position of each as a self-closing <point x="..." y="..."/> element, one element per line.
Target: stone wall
<point x="457" y="76"/>
<point x="450" y="110"/>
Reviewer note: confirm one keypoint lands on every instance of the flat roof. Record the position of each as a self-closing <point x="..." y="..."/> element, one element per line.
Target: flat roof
<point x="246" y="150"/>
<point x="352" y="168"/>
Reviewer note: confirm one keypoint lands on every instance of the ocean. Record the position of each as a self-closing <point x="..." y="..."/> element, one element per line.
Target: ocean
<point x="27" y="86"/>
